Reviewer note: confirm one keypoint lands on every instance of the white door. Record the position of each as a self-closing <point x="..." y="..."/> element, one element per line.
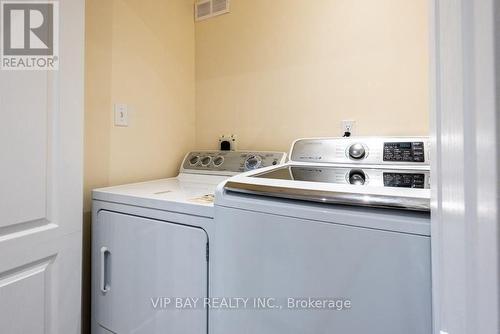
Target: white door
<point x="41" y="123"/>
<point x="140" y="269"/>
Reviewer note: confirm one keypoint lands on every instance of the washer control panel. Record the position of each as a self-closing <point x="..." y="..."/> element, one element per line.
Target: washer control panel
<point x="404" y="151"/>
<point x="229" y="162"/>
<point x="363" y="150"/>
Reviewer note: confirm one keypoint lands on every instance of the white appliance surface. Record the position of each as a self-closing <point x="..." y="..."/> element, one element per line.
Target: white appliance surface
<point x="150" y="245"/>
<point x="380" y="173"/>
<point x="192" y="191"/>
<point x="276" y="251"/>
<point x="147" y="260"/>
<point x="186" y="193"/>
<point x="294" y="234"/>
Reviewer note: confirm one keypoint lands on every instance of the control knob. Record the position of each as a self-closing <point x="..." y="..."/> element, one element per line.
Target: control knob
<point x="357" y="177"/>
<point x="205" y="161"/>
<point x="357" y="151"/>
<point x="253" y="162"/>
<point x="194" y="160"/>
<point x="218" y="161"/>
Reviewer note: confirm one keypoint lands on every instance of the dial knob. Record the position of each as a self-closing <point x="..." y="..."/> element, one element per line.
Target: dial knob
<point x="253" y="162"/>
<point x="357" y="151"/>
<point x="357" y="177"/>
<point x="205" y="161"/>
<point x="218" y="161"/>
<point x="194" y="160"/>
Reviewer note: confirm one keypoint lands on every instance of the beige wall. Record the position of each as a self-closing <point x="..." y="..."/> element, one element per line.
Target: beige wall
<point x="138" y="52"/>
<point x="273" y="71"/>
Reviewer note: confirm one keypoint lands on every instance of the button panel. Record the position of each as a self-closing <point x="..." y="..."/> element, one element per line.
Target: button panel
<point x="363" y="150"/>
<point x="230" y="162"/>
<point x="404" y="151"/>
<point x="404" y="180"/>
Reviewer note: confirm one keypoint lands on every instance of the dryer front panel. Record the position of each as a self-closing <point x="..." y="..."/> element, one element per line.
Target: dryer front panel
<point x="139" y="267"/>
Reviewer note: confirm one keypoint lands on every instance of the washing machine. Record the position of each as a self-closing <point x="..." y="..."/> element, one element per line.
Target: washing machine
<point x="337" y="240"/>
<point x="151" y="244"/>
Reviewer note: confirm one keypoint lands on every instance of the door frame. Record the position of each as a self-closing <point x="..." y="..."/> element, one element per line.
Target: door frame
<point x="465" y="180"/>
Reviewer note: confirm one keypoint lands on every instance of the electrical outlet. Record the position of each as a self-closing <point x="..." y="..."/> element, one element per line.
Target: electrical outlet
<point x="121" y="114"/>
<point x="443" y="332"/>
<point x="348" y="126"/>
<point x="228" y="142"/>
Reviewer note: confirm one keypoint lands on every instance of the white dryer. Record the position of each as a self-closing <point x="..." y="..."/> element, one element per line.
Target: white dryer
<point x="335" y="241"/>
<point x="150" y="244"/>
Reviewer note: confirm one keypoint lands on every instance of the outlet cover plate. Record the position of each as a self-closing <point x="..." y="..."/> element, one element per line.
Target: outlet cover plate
<point x="232" y="139"/>
<point x="348" y="126"/>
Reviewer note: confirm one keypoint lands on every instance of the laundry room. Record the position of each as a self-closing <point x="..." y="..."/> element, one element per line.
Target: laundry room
<point x="236" y="166"/>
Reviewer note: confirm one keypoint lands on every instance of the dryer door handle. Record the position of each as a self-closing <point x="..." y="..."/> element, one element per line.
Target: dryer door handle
<point x="104" y="283"/>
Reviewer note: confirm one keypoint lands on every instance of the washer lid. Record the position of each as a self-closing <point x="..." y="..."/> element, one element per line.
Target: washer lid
<point x="351" y="185"/>
<point x="354" y="175"/>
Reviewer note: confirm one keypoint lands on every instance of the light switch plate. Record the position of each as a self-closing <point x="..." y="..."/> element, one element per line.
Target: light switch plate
<point x="443" y="332"/>
<point x="121" y="114"/>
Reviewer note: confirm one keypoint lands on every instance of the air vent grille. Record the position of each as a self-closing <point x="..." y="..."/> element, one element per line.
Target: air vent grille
<point x="205" y="9"/>
<point x="219" y="6"/>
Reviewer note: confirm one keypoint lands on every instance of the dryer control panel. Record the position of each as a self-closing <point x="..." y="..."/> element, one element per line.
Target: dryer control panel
<point x="229" y="162"/>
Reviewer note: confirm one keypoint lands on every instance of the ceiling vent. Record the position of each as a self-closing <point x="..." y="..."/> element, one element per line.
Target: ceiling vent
<point x="205" y="9"/>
